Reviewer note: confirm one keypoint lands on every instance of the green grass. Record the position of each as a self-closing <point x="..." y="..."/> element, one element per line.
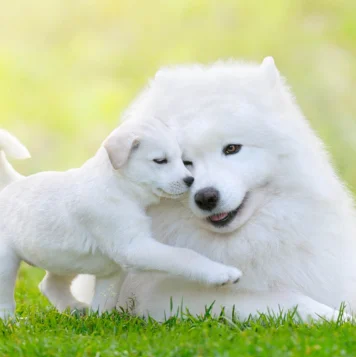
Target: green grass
<point x="49" y="334"/>
<point x="39" y="330"/>
<point x="69" y="68"/>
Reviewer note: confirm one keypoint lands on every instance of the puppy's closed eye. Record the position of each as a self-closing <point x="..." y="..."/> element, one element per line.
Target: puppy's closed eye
<point x="160" y="161"/>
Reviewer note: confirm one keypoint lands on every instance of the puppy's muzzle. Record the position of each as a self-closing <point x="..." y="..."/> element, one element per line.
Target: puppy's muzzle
<point x="188" y="180"/>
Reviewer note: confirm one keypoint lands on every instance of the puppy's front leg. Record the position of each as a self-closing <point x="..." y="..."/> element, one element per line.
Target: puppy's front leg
<point x="137" y="249"/>
<point x="9" y="264"/>
<point x="148" y="254"/>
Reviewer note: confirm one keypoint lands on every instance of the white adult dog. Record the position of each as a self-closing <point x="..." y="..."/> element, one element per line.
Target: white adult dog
<point x="93" y="220"/>
<point x="265" y="197"/>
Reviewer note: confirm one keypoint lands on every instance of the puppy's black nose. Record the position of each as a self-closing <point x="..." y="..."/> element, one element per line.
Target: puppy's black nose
<point x="207" y="198"/>
<point x="189" y="180"/>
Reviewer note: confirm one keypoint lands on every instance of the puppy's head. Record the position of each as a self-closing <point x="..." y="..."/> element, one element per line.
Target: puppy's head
<point x="148" y="154"/>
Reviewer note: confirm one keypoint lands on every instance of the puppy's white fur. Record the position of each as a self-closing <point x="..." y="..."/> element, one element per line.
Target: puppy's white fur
<point x="10" y="146"/>
<point x="93" y="220"/>
<point x="295" y="236"/>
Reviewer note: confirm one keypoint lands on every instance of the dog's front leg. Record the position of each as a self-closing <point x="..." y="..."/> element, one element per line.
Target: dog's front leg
<point x="148" y="254"/>
<point x="162" y="296"/>
<point x="246" y="304"/>
<point x="106" y="294"/>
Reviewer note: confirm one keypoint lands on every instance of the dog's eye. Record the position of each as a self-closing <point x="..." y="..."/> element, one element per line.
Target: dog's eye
<point x="187" y="163"/>
<point x="160" y="161"/>
<point x="232" y="149"/>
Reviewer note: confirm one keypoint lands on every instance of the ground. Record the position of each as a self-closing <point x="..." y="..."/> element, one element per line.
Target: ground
<point x="39" y="330"/>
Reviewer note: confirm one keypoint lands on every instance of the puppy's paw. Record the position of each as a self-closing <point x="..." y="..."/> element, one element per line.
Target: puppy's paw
<point x="6" y="313"/>
<point x="225" y="275"/>
<point x="233" y="276"/>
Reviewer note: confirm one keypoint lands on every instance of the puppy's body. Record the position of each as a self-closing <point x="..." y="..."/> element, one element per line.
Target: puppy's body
<point x="54" y="213"/>
<point x="92" y="220"/>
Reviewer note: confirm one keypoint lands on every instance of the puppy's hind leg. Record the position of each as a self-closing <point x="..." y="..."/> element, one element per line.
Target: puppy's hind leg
<point x="57" y="290"/>
<point x="9" y="264"/>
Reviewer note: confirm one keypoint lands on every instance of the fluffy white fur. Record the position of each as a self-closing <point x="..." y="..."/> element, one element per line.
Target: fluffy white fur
<point x="10" y="146"/>
<point x="295" y="236"/>
<point x="93" y="220"/>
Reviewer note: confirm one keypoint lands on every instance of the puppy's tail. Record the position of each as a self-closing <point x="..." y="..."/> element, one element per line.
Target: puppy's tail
<point x="10" y="146"/>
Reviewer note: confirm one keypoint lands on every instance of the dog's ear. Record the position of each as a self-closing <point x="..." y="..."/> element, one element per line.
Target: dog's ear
<point x="270" y="71"/>
<point x="119" y="145"/>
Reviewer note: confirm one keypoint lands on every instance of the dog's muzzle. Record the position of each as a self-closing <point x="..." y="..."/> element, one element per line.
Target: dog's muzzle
<point x="207" y="198"/>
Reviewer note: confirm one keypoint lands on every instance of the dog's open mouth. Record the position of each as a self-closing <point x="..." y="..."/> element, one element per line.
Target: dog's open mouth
<point x="224" y="218"/>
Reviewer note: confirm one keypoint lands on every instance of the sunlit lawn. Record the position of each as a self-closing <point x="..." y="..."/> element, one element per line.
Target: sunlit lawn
<point x="40" y="331"/>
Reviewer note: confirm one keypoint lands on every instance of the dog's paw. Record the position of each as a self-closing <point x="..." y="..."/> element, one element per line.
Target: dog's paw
<point x="73" y="306"/>
<point x="312" y="311"/>
<point x="332" y="315"/>
<point x="79" y="307"/>
<point x="225" y="275"/>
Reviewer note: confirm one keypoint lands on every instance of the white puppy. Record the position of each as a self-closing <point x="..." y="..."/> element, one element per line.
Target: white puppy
<point x="93" y="220"/>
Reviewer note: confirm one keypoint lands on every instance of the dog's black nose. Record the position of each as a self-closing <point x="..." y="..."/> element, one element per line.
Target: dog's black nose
<point x="207" y="198"/>
<point x="189" y="180"/>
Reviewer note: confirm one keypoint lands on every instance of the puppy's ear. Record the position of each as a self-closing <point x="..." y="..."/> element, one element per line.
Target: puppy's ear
<point x="119" y="145"/>
<point x="270" y="71"/>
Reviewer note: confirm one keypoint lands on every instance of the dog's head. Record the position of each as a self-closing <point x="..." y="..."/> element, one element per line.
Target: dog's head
<point x="149" y="154"/>
<point x="241" y="134"/>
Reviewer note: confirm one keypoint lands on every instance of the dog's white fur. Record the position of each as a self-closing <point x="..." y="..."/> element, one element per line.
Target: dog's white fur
<point x="93" y="220"/>
<point x="295" y="237"/>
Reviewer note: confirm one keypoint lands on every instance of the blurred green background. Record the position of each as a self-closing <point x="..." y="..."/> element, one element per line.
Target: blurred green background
<point x="69" y="68"/>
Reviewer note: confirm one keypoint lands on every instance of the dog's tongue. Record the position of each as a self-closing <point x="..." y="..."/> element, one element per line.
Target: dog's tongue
<point x="218" y="217"/>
